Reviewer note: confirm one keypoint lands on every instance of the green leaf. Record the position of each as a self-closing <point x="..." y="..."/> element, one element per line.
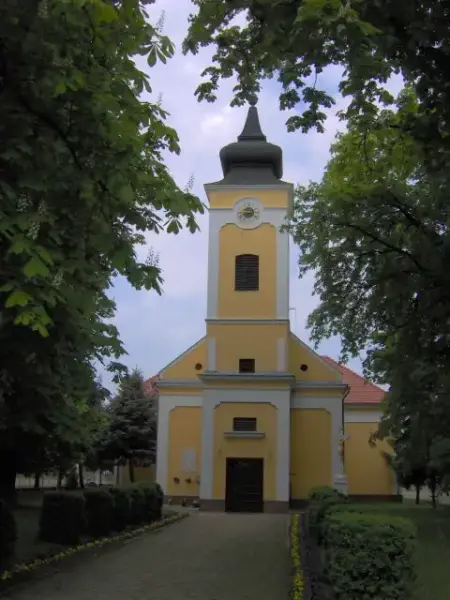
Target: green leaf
<point x="18" y="298"/>
<point x="60" y="88"/>
<point x="36" y="268"/>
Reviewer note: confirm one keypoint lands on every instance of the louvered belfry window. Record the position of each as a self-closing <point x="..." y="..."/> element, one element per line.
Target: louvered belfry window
<point x="244" y="424"/>
<point x="247" y="273"/>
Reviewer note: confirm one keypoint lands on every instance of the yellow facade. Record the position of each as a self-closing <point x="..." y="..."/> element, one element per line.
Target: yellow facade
<point x="185" y="428"/>
<point x="259" y="304"/>
<point x="283" y="421"/>
<point x="365" y="466"/>
<point x="268" y="198"/>
<point x="255" y="340"/>
<point x="310" y="437"/>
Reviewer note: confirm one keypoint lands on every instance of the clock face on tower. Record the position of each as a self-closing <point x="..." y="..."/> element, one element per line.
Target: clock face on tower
<point x="248" y="213"/>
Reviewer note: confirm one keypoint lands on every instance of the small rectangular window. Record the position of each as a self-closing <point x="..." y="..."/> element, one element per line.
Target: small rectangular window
<point x="246" y="365"/>
<point x="244" y="424"/>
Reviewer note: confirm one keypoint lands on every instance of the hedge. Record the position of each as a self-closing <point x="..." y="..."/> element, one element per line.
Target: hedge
<point x="99" y="509"/>
<point x="65" y="516"/>
<point x="369" y="556"/>
<point x="151" y="501"/>
<point x="138" y="503"/>
<point x="62" y="519"/>
<point x="8" y="532"/>
<point x="320" y="500"/>
<point x="122" y="507"/>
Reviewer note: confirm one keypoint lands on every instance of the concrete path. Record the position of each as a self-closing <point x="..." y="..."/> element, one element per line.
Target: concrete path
<point x="204" y="557"/>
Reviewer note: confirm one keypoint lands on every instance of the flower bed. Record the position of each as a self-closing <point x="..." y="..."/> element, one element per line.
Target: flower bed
<point x="18" y="572"/>
<point x="298" y="582"/>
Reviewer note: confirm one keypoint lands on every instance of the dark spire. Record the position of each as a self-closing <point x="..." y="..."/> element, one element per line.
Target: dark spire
<point x="252" y="159"/>
<point x="252" y="127"/>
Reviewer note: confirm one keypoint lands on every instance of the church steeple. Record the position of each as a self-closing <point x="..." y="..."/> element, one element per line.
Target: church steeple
<point x="251" y="160"/>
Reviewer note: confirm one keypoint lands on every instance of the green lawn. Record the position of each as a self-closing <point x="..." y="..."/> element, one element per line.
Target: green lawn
<point x="433" y="527"/>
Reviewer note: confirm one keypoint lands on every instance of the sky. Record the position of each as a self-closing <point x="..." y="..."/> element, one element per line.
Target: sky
<point x="155" y="329"/>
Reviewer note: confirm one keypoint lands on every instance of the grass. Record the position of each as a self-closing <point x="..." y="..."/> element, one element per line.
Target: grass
<point x="433" y="528"/>
<point x="28" y="546"/>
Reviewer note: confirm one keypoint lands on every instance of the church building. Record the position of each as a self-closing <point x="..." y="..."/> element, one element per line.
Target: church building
<point x="249" y="417"/>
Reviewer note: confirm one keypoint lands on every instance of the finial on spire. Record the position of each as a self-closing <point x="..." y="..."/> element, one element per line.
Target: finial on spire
<point x="252" y="128"/>
<point x="253" y="100"/>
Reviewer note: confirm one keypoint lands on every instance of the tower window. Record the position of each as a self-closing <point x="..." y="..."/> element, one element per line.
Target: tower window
<point x="246" y="273"/>
<point x="246" y="365"/>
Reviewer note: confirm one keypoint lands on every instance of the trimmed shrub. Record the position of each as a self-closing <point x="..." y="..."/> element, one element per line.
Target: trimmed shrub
<point x="8" y="532"/>
<point x="99" y="510"/>
<point x="62" y="519"/>
<point x="151" y="500"/>
<point x="138" y="506"/>
<point x="322" y="499"/>
<point x="369" y="556"/>
<point x="323" y="492"/>
<point x="122" y="507"/>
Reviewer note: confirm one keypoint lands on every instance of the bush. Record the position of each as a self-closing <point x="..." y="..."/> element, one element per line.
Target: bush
<point x="151" y="501"/>
<point x="62" y="519"/>
<point x="99" y="510"/>
<point x="8" y="532"/>
<point x="138" y="505"/>
<point x="122" y="507"/>
<point x="369" y="556"/>
<point x="324" y="492"/>
<point x="321" y="500"/>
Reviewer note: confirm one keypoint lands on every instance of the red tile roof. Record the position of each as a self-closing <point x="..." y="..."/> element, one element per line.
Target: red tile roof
<point x="361" y="390"/>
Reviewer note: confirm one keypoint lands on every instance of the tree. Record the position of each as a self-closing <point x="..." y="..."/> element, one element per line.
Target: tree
<point x="294" y="40"/>
<point x="71" y="200"/>
<point x="133" y="422"/>
<point x="82" y="179"/>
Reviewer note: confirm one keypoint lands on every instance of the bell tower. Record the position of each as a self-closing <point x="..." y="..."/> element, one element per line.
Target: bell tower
<point x="248" y="257"/>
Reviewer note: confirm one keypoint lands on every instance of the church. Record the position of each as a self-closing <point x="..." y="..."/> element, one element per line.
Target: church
<point x="249" y="417"/>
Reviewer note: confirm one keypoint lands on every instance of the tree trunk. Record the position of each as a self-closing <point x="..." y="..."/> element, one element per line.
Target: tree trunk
<point x="417" y="494"/>
<point x="131" y="470"/>
<point x="60" y="479"/>
<point x="81" y="475"/>
<point x="8" y="473"/>
<point x="100" y="473"/>
<point x="37" y="480"/>
<point x="433" y="496"/>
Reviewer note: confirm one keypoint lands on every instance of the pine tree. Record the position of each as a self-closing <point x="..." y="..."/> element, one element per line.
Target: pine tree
<point x="133" y="422"/>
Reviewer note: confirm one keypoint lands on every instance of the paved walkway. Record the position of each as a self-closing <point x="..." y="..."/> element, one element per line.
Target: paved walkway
<point x="204" y="557"/>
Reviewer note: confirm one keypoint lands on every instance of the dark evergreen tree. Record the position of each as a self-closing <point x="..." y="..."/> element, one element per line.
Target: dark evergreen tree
<point x="132" y="433"/>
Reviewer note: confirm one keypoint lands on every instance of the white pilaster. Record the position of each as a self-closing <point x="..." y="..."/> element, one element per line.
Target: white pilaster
<point x="207" y="470"/>
<point x="283" y="447"/>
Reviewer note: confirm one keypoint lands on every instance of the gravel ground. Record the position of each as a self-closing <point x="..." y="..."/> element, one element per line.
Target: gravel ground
<point x="208" y="556"/>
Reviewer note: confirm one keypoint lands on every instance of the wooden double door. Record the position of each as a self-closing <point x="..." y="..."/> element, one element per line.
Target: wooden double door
<point x="244" y="485"/>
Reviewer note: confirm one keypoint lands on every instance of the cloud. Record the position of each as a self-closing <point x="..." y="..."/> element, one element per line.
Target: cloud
<point x="155" y="329"/>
